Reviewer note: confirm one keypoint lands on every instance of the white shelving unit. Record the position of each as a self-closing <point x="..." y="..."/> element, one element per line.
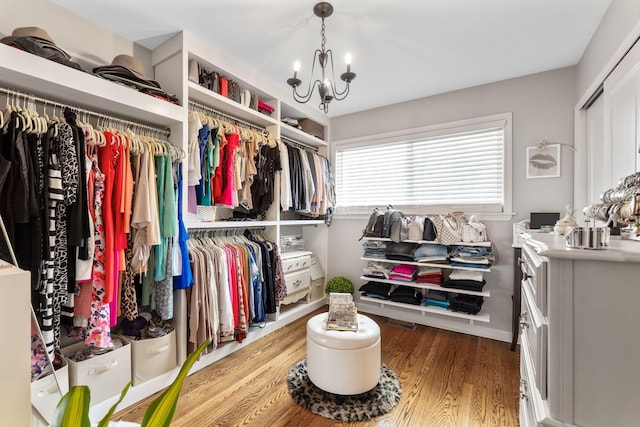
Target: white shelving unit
<point x="30" y="74"/>
<point x="428" y="309"/>
<point x="426" y="286"/>
<point x="422" y="309"/>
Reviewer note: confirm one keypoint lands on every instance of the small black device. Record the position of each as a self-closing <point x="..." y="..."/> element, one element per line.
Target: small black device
<point x="538" y="219"/>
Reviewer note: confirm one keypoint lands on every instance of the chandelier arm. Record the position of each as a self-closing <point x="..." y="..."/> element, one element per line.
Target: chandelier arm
<point x="338" y="95"/>
<point x="309" y="93"/>
<point x="303" y="99"/>
<point x="342" y="95"/>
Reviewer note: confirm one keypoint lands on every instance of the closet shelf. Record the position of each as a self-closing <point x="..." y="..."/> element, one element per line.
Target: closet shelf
<point x="301" y="136"/>
<point x="216" y="101"/>
<point x="228" y="224"/>
<point x="426" y="286"/>
<point x="386" y="239"/>
<point x="426" y="264"/>
<point x="302" y="222"/>
<point x="428" y="309"/>
<point x="63" y="84"/>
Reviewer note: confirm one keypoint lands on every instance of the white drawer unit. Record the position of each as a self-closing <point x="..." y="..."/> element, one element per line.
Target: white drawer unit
<point x="297" y="281"/>
<point x="297" y="275"/>
<point x="294" y="264"/>
<point x="534" y="340"/>
<point x="534" y="274"/>
<point x="578" y="329"/>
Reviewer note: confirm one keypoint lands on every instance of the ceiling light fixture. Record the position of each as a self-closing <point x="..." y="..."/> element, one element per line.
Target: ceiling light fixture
<point x="326" y="85"/>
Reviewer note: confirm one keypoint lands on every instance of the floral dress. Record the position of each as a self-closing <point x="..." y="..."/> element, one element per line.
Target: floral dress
<point x="99" y="331"/>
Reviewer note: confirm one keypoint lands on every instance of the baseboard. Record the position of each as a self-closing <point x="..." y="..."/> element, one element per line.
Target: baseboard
<point x="435" y="321"/>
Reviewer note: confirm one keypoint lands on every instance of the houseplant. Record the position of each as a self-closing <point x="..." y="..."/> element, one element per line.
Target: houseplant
<point x="73" y="408"/>
<point x="339" y="284"/>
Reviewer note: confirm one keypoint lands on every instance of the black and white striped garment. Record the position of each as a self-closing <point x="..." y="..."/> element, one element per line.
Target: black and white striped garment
<point x="55" y="195"/>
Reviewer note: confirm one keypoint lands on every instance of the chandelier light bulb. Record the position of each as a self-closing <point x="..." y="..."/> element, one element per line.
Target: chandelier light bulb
<point x="296" y="68"/>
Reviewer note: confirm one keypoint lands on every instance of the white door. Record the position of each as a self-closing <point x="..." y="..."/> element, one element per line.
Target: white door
<point x="621" y="118"/>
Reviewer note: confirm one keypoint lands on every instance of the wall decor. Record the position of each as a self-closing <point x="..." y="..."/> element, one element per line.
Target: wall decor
<point x="543" y="161"/>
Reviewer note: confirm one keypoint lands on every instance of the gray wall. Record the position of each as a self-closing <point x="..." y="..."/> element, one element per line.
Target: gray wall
<point x="542" y="106"/>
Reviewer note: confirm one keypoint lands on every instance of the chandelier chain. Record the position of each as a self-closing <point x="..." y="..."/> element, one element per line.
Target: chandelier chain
<point x="324" y="40"/>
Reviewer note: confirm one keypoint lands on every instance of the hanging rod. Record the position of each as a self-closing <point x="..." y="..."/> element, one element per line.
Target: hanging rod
<point x="212" y="231"/>
<point x="205" y="109"/>
<point x="32" y="98"/>
<point x="298" y="144"/>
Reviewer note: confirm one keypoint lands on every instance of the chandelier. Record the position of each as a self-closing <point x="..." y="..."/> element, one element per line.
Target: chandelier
<point x="326" y="84"/>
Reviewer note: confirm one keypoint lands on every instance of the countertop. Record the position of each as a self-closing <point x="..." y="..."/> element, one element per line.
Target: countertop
<point x="554" y="246"/>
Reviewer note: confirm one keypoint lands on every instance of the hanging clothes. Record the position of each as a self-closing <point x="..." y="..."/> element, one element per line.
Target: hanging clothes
<point x="237" y="275"/>
<point x="306" y="186"/>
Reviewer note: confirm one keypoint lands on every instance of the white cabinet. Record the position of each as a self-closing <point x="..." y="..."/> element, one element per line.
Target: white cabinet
<point x="296" y="266"/>
<point x="579" y="357"/>
<point x="422" y="309"/>
<point x="15" y="331"/>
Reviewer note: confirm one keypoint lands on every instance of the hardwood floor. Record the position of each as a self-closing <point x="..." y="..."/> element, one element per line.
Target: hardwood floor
<point x="447" y="378"/>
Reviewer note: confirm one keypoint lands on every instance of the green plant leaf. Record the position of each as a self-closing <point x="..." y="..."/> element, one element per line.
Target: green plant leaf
<point x="104" y="422"/>
<point x="161" y="411"/>
<point x="73" y="408"/>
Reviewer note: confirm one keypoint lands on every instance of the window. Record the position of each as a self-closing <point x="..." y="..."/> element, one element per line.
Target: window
<point x="453" y="166"/>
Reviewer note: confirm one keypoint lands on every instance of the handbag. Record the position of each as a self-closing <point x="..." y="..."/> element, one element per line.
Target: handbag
<point x="234" y="91"/>
<point x="374" y="225"/>
<point x="449" y="227"/>
<point x="390" y="216"/>
<point x="194" y="71"/>
<point x="430" y="233"/>
<point x="416" y="228"/>
<point x="474" y="231"/>
<point x="399" y="230"/>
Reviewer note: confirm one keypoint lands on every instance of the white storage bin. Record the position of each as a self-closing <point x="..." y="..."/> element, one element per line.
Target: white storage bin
<point x="152" y="356"/>
<point x="105" y="374"/>
<point x="46" y="392"/>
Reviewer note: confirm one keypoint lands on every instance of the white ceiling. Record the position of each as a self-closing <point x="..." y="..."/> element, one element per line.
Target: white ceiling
<point x="401" y="49"/>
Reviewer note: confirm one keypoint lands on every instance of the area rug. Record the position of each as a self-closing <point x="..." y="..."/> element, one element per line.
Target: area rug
<point x="383" y="398"/>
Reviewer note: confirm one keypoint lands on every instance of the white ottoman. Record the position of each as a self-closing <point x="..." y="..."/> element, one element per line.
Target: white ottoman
<point x="343" y="362"/>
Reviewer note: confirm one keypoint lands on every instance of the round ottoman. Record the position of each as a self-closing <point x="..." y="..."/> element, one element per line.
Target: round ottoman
<point x="343" y="362"/>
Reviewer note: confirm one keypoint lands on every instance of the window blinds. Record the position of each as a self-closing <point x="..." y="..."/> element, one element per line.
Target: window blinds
<point x="463" y="168"/>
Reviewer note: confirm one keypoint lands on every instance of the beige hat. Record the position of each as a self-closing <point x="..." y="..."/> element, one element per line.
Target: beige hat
<point x="130" y="63"/>
<point x="35" y="32"/>
<point x="126" y="66"/>
<point x="32" y="32"/>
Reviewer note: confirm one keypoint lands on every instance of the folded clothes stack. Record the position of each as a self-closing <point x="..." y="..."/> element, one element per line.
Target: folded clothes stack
<point x="429" y="276"/>
<point x="437" y="298"/>
<point x="468" y="280"/>
<point x="265" y="108"/>
<point x="406" y="295"/>
<point x="428" y="252"/>
<point x="403" y="272"/>
<point x="291" y="122"/>
<point x="471" y="256"/>
<point x="374" y="249"/>
<point x="400" y="251"/>
<point x="376" y="290"/>
<point x="377" y="270"/>
<point x="470" y="304"/>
